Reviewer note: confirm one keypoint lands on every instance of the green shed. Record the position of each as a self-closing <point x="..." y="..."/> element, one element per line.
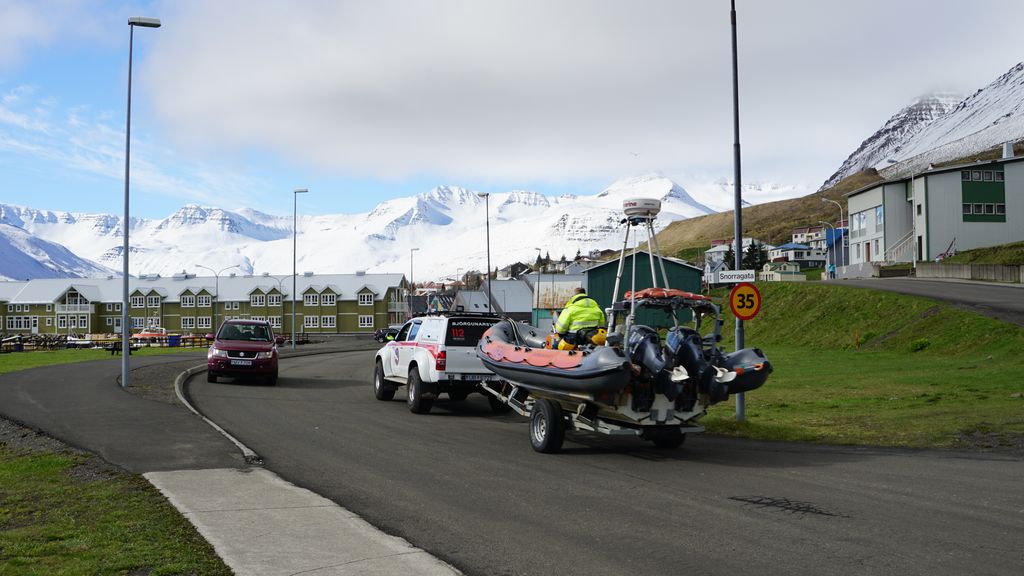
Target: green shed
<point x="681" y="275"/>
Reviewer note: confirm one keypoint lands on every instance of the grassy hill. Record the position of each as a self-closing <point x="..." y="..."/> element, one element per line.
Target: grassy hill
<point x="860" y="366"/>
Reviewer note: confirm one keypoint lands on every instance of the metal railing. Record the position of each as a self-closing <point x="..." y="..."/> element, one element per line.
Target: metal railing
<point x="902" y="250"/>
<point x="397" y="306"/>
<point x="76" y="308"/>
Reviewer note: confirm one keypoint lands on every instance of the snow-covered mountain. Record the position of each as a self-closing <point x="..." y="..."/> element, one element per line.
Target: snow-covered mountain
<point x="24" y="256"/>
<point x="446" y="224"/>
<point x="936" y="129"/>
<point x="892" y="137"/>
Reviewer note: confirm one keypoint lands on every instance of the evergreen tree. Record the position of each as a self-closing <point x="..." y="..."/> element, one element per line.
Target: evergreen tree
<point x="730" y="258"/>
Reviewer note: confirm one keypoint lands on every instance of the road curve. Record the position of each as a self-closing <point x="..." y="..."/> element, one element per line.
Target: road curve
<point x="999" y="301"/>
<point x="466" y="486"/>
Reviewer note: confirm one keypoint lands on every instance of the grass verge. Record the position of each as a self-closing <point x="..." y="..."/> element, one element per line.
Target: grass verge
<point x="14" y="361"/>
<point x="68" y="513"/>
<point x="857" y="366"/>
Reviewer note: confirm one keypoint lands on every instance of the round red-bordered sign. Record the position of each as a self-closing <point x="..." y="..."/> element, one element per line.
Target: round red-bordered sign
<point x="745" y="300"/>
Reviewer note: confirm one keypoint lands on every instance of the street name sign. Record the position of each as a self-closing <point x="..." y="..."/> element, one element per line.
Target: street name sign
<point x="734" y="276"/>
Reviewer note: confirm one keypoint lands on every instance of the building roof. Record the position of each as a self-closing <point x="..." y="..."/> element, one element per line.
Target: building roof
<point x="665" y="258"/>
<point x="471" y="301"/>
<point x="511" y="295"/>
<point x="793" y="246"/>
<point x="231" y="288"/>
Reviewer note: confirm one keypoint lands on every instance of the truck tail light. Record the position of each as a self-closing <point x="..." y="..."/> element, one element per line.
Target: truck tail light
<point x="441" y="362"/>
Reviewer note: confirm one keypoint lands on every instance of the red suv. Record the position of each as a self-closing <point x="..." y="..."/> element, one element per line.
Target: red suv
<point x="244" y="349"/>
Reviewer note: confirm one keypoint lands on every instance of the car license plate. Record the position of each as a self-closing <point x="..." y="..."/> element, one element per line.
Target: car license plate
<point x="476" y="376"/>
<point x="241" y="362"/>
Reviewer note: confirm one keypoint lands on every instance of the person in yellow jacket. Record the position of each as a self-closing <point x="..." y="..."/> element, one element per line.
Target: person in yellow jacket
<point x="580" y="320"/>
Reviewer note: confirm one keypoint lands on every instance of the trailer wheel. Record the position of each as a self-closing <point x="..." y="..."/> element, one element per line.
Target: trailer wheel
<point x="382" y="390"/>
<point x="668" y="438"/>
<point x="414" y="394"/>
<point x="497" y="405"/>
<point x="547" y="426"/>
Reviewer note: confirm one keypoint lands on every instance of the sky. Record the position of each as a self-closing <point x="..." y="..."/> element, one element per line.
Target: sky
<point x="236" y="103"/>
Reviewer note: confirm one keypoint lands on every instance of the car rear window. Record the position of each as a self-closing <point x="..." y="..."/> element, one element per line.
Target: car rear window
<point x="467" y="331"/>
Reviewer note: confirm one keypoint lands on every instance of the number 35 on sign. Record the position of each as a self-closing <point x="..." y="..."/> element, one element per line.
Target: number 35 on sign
<point x="745" y="301"/>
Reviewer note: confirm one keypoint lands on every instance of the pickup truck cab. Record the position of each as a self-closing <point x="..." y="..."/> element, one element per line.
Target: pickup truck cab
<point x="431" y="355"/>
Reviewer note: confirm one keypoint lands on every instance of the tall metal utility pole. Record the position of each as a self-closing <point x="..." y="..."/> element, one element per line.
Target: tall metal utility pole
<point x="738" y="211"/>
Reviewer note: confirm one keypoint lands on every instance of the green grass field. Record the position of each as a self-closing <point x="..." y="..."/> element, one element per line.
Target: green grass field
<point x="61" y="513"/>
<point x="13" y="361"/>
<point x="855" y="366"/>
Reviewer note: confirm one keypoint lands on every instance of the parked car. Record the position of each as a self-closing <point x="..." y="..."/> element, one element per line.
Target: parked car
<point x="435" y="354"/>
<point x="244" y="349"/>
<point x="387" y="334"/>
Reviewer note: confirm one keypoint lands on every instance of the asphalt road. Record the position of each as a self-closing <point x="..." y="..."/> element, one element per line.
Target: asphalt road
<point x="465" y="485"/>
<point x="1002" y="302"/>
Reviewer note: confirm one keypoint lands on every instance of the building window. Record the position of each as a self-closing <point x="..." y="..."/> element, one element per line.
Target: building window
<point x="990" y="208"/>
<point x="188" y="322"/>
<point x="188" y="301"/>
<point x="967" y="209"/>
<point x="259" y="318"/>
<point x="203" y="301"/>
<point x="203" y="322"/>
<point x="918" y="209"/>
<point x="979" y="208"/>
<point x="10" y="308"/>
<point x="257" y="300"/>
<point x="857" y="250"/>
<point x="1000" y="208"/>
<point x="328" y="321"/>
<point x="965" y="175"/>
<point x="153" y="322"/>
<point x="876" y="245"/>
<point x="976" y="175"/>
<point x="138" y="302"/>
<point x="62" y="321"/>
<point x="117" y="306"/>
<point x="328" y="300"/>
<point x="49" y="321"/>
<point x="999" y="176"/>
<point x="231" y="305"/>
<point x="310" y="322"/>
<point x="152" y="301"/>
<point x="49" y="307"/>
<point x="879" y="217"/>
<point x="311" y="299"/>
<point x="365" y="299"/>
<point x="275" y="321"/>
<point x="138" y="322"/>
<point x="110" y="321"/>
<point x="366" y="321"/>
<point x="274" y="300"/>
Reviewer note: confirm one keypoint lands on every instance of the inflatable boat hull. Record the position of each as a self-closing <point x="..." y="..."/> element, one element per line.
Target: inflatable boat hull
<point x="515" y="352"/>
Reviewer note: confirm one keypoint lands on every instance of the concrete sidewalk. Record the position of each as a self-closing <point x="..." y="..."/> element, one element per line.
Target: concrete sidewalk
<point x="262" y="525"/>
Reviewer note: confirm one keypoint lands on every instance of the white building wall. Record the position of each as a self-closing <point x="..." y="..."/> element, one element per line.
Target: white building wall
<point x="865" y="203"/>
<point x="898" y="220"/>
<point x="945" y="214"/>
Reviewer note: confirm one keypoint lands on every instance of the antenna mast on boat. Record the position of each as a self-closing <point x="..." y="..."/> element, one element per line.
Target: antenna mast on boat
<point x="638" y="211"/>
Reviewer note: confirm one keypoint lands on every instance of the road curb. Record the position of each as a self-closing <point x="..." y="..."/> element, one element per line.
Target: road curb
<point x="250" y="456"/>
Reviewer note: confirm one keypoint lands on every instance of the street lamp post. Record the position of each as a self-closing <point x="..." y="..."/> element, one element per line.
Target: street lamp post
<point x="842" y="242"/>
<point x="411" y="284"/>
<point x="295" y="228"/>
<point x="216" y="288"/>
<point x="487" y="212"/>
<point x="125" y="327"/>
<point x="536" y="292"/>
<point x="738" y="194"/>
<point x="826" y="247"/>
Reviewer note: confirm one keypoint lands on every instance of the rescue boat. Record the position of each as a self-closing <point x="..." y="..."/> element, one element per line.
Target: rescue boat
<point x="516" y="352"/>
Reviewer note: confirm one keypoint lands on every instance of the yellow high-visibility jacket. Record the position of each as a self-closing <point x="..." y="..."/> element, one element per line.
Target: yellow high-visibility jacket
<point x="580" y="313"/>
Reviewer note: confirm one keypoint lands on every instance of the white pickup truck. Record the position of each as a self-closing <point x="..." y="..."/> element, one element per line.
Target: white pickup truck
<point x="435" y="354"/>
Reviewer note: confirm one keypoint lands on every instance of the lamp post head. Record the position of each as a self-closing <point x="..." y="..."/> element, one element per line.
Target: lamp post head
<point x="301" y="190"/>
<point x="144" y="22"/>
<point x="483" y="194"/>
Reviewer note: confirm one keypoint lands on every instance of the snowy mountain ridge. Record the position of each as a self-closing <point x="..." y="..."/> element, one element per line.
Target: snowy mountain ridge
<point x="446" y="224"/>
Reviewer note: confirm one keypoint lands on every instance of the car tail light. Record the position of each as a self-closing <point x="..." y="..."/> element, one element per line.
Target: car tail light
<point x="441" y="362"/>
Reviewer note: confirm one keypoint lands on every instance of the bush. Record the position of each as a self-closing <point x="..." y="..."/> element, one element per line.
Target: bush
<point x="919" y="344"/>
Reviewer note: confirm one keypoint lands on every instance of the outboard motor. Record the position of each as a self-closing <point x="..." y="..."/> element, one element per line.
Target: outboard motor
<point x="687" y="346"/>
<point x="644" y="349"/>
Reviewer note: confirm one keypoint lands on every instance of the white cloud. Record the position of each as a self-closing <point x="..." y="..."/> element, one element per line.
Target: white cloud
<point x="558" y="91"/>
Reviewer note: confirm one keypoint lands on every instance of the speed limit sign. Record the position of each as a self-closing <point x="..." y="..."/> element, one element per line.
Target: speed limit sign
<point x="745" y="301"/>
